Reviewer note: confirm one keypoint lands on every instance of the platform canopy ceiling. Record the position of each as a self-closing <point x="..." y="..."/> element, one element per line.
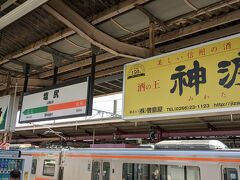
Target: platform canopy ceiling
<point x="123" y="22"/>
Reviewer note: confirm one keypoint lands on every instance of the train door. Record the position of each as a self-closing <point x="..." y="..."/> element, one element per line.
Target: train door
<point x="101" y="170"/>
<point x="230" y="173"/>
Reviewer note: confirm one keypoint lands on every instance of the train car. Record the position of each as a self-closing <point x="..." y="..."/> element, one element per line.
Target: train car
<point x="137" y="164"/>
<point x="46" y="164"/>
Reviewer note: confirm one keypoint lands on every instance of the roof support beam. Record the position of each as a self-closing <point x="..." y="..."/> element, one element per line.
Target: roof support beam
<point x="152" y="38"/>
<point x="152" y="17"/>
<point x="59" y="54"/>
<point x="105" y="15"/>
<point x="20" y="82"/>
<point x="114" y="85"/>
<point x="99" y="91"/>
<point x="36" y="45"/>
<point x="103" y="87"/>
<point x="109" y="78"/>
<point x="191" y="15"/>
<point x="191" y="5"/>
<point x="235" y="15"/>
<point x="116" y="10"/>
<point x="78" y="64"/>
<point x="137" y="135"/>
<point x="7" y="4"/>
<point x="118" y="64"/>
<point x="117" y="129"/>
<point x="180" y="33"/>
<point x="201" y="38"/>
<point x="201" y="26"/>
<point x="101" y="67"/>
<point x="20" y="11"/>
<point x="66" y="15"/>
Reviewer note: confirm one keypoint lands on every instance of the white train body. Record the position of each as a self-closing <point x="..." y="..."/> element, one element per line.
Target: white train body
<point x="134" y="164"/>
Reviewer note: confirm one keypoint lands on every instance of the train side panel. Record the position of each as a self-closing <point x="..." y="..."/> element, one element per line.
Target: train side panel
<point x="76" y="168"/>
<point x="126" y="164"/>
<point x="45" y="165"/>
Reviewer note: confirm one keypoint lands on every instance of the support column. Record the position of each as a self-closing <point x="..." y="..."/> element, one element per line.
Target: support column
<point x="115" y="107"/>
<point x="8" y="84"/>
<point x="55" y="75"/>
<point x="26" y="77"/>
<point x="57" y="61"/>
<point x="95" y="51"/>
<point x="152" y="38"/>
<point x="7" y="134"/>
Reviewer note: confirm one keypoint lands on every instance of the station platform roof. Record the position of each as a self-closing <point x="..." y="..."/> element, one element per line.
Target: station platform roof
<point x="31" y="32"/>
<point x="34" y="37"/>
<point x="114" y="129"/>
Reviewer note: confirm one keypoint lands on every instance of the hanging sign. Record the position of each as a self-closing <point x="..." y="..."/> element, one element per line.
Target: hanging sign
<point x="8" y="112"/>
<point x="70" y="99"/>
<point x="191" y="81"/>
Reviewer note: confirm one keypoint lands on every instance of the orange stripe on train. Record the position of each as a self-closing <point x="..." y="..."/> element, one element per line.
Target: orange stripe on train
<point x="166" y="158"/>
<point x="39" y="178"/>
<point x="42" y="154"/>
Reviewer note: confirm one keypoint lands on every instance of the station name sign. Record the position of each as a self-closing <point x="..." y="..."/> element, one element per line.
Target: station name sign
<point x="65" y="100"/>
<point x="203" y="79"/>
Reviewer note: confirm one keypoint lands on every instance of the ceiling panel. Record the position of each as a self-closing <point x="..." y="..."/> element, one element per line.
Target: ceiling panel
<point x="133" y="21"/>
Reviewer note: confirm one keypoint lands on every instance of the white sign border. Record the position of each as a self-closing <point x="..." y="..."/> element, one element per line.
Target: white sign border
<point x="68" y="83"/>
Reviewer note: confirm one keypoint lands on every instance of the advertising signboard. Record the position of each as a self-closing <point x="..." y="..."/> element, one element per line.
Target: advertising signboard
<point x="203" y="79"/>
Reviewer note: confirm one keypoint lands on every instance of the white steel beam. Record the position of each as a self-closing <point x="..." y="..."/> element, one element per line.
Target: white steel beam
<point x="7" y="4"/>
<point x="66" y="15"/>
<point x="20" y="11"/>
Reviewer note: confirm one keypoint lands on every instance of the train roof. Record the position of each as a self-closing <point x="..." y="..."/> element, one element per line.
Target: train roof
<point x="152" y="151"/>
<point x="203" y="148"/>
<point x="144" y="152"/>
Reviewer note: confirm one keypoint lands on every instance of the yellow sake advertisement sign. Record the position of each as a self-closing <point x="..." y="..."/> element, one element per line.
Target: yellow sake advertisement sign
<point x="201" y="79"/>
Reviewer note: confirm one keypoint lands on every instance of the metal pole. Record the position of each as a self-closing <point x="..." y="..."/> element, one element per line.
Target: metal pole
<point x="94" y="136"/>
<point x="152" y="38"/>
<point x="115" y="107"/>
<point x="6" y="133"/>
<point x="8" y="84"/>
<point x="26" y="75"/>
<point x="92" y="79"/>
<point x="11" y="124"/>
<point x="13" y="109"/>
<point x="55" y="75"/>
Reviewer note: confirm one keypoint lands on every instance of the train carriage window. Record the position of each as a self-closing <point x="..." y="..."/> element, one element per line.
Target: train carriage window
<point x="106" y="171"/>
<point x="230" y="174"/>
<point x="141" y="172"/>
<point x="128" y="170"/>
<point x="136" y="171"/>
<point x="34" y="166"/>
<point x="155" y="171"/>
<point x="175" y="172"/>
<point x="193" y="173"/>
<point x="158" y="172"/>
<point x="96" y="170"/>
<point x="49" y="167"/>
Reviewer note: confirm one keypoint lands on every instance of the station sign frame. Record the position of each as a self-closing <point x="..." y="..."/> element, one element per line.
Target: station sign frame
<point x="133" y="101"/>
<point x="87" y="101"/>
<point x="8" y="113"/>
